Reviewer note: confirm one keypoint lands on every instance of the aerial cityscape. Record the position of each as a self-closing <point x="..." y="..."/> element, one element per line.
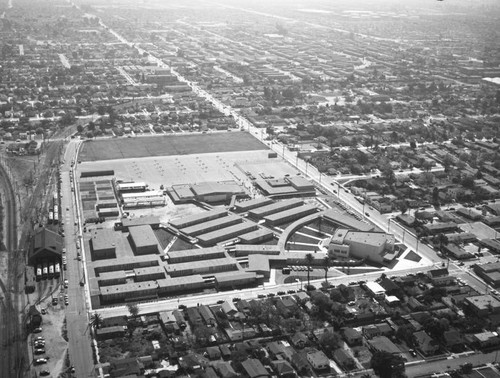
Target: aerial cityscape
<point x="249" y="188"/>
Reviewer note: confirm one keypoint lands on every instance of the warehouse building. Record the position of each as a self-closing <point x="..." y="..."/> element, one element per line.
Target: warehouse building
<point x="198" y="254"/>
<point x="227" y="233"/>
<point x="45" y="245"/>
<point x="244" y="206"/>
<point x="143" y="240"/>
<point x="258" y="236"/>
<point x="201" y="267"/>
<point x="102" y="245"/>
<point x="289" y="215"/>
<point x="216" y="224"/>
<point x="198" y="218"/>
<point x="275" y="207"/>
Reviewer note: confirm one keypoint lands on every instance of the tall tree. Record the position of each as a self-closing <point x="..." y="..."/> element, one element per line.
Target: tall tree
<point x="387" y="365"/>
<point x="133" y="309"/>
<point x="96" y="320"/>
<point x="326" y="266"/>
<point x="309" y="261"/>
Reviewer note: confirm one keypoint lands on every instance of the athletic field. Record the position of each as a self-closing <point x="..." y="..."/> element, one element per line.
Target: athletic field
<point x="168" y="145"/>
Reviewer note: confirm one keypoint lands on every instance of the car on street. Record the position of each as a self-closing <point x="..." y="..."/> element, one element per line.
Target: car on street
<point x="66" y="283"/>
<point x="40" y="361"/>
<point x="40" y="351"/>
<point x="44" y="373"/>
<point x="367" y="214"/>
<point x="412" y="352"/>
<point x="44" y="311"/>
<point x="37" y="330"/>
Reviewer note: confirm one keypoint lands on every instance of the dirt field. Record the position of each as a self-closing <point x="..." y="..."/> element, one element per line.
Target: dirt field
<point x="167" y="145"/>
<point x="191" y="169"/>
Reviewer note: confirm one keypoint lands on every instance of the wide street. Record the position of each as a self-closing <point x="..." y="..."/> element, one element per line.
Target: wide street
<point x="80" y="351"/>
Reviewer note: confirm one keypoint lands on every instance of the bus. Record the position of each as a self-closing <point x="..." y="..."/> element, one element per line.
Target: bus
<point x="57" y="269"/>
<point x="56" y="217"/>
<point x="56" y="197"/>
<point x="51" y="270"/>
<point x="45" y="270"/>
<point x="51" y="217"/>
<point x="38" y="272"/>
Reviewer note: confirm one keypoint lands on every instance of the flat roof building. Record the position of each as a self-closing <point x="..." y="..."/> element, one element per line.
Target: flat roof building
<point x="289" y="215"/>
<point x="102" y="244"/>
<point x="143" y="240"/>
<point x="150" y="273"/>
<point x="244" y="206"/>
<point x="235" y="279"/>
<point x="275" y="207"/>
<point x="129" y="291"/>
<point x="176" y="257"/>
<point x="112" y="278"/>
<point x="216" y="224"/>
<point x="201" y="267"/>
<point x="257" y="236"/>
<point x="150" y="220"/>
<point x="198" y="218"/>
<point x="227" y="233"/>
<point x="180" y="284"/>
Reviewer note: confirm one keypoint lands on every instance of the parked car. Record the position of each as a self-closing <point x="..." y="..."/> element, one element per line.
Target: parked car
<point x="40" y="361"/>
<point x="412" y="352"/>
<point x="37" y="330"/>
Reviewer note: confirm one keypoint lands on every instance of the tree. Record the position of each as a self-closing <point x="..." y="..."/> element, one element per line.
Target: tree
<point x="443" y="240"/>
<point x="326" y="266"/>
<point x="309" y="261"/>
<point x="133" y="309"/>
<point x="330" y="341"/>
<point x="387" y="365"/>
<point x="96" y="320"/>
<point x="79" y="128"/>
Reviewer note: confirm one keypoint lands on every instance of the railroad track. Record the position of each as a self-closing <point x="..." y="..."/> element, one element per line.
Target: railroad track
<point x="12" y="357"/>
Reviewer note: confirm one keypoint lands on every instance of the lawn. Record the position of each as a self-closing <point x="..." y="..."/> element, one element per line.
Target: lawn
<point x="166" y="145"/>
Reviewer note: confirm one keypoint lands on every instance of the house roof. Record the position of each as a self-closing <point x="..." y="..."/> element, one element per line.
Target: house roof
<point x="351" y="333"/>
<point x="452" y="337"/>
<point x="341" y="356"/>
<point x="254" y="368"/>
<point x="283" y="367"/>
<point x="424" y="340"/>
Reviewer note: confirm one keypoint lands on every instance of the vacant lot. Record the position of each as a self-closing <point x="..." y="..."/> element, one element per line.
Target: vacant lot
<point x="138" y="147"/>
